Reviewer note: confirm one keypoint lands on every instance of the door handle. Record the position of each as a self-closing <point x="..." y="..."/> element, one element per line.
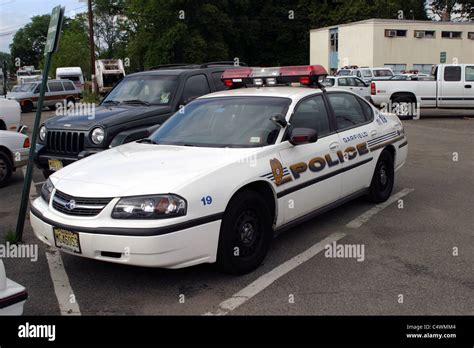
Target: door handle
<point x="373" y="133"/>
<point x="334" y="146"/>
<point x="467" y="86"/>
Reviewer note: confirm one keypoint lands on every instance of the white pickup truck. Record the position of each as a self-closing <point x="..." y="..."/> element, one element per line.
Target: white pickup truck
<point x="450" y="86"/>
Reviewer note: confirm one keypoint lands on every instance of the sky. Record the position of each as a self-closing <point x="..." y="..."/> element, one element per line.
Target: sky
<point x="14" y="14"/>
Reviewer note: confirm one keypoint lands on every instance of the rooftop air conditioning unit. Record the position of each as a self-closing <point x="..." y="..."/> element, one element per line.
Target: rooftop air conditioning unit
<point x="420" y="34"/>
<point x="390" y="33"/>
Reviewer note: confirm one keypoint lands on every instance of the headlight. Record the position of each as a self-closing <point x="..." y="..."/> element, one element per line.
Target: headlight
<point x="97" y="135"/>
<point x="42" y="133"/>
<point x="150" y="207"/>
<point x="46" y="190"/>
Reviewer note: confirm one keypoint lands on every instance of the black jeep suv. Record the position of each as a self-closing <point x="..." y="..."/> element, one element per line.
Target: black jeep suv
<point x="132" y="110"/>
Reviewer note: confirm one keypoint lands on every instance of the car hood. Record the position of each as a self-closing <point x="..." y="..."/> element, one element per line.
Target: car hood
<point x="140" y="169"/>
<point x="18" y="95"/>
<point x="84" y="117"/>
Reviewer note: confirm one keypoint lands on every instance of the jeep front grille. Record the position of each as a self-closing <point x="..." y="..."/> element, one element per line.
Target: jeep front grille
<point x="78" y="206"/>
<point x="65" y="142"/>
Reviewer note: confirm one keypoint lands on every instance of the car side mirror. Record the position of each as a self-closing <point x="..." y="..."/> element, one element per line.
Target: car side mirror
<point x="300" y="136"/>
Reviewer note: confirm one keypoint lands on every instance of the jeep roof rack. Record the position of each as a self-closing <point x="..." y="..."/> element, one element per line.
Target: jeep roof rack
<point x="174" y="66"/>
<point x="224" y="62"/>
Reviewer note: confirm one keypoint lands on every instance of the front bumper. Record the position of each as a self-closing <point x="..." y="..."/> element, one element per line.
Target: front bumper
<point x="182" y="248"/>
<point x="42" y="157"/>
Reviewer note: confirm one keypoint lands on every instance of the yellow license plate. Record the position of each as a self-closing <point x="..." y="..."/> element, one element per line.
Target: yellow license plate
<point x="55" y="165"/>
<point x="67" y="240"/>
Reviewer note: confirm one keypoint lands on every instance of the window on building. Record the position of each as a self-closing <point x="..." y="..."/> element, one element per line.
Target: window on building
<point x="427" y="34"/>
<point x="451" y="34"/>
<point x="470" y="35"/>
<point x="395" y="33"/>
<point x="423" y="68"/>
<point x="334" y="41"/>
<point x="396" y="68"/>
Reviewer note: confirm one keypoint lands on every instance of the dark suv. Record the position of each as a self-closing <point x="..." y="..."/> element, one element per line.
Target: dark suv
<point x="132" y="110"/>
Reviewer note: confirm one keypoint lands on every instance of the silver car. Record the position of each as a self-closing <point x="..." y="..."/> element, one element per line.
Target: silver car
<point x="353" y="84"/>
<point x="14" y="152"/>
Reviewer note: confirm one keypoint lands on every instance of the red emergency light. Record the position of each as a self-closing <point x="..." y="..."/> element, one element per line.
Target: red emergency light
<point x="302" y="74"/>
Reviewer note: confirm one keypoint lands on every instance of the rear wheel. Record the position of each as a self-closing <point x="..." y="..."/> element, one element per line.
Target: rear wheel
<point x="405" y="107"/>
<point x="6" y="168"/>
<point x="70" y="100"/>
<point x="27" y="106"/>
<point x="383" y="178"/>
<point x="245" y="235"/>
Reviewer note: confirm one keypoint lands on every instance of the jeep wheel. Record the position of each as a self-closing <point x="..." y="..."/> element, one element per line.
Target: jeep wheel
<point x="6" y="169"/>
<point x="383" y="178"/>
<point x="245" y="235"/>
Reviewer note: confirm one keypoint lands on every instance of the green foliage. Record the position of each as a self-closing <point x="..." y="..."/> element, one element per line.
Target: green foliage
<point x="28" y="42"/>
<point x="89" y="97"/>
<point x="451" y="9"/>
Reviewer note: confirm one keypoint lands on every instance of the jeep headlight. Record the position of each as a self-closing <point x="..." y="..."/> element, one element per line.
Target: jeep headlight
<point x="42" y="133"/>
<point x="150" y="207"/>
<point x="46" y="190"/>
<point x="97" y="135"/>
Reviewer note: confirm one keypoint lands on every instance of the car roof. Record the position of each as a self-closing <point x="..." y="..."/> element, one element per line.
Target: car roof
<point x="282" y="92"/>
<point x="178" y="71"/>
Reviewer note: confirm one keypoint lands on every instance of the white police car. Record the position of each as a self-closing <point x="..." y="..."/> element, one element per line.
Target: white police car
<point x="217" y="179"/>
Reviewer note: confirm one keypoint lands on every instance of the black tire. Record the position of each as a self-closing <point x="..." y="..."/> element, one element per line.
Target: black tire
<point x="70" y="100"/>
<point x="6" y="169"/>
<point x="52" y="107"/>
<point x="245" y="235"/>
<point x="27" y="106"/>
<point x="47" y="173"/>
<point x="402" y="101"/>
<point x="383" y="179"/>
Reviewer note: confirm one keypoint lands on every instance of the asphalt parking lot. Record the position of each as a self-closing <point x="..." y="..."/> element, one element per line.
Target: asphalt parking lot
<point x="417" y="260"/>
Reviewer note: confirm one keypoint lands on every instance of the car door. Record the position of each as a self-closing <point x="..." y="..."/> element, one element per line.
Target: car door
<point x="311" y="167"/>
<point x="354" y="124"/>
<point x="361" y="89"/>
<point x="56" y="93"/>
<point x="469" y="86"/>
<point x="451" y="88"/>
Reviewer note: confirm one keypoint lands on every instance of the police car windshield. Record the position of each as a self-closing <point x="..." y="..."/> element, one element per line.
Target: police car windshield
<point x="149" y="89"/>
<point x="224" y="122"/>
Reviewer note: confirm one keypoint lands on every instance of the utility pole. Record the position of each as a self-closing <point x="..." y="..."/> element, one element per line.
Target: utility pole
<point x="92" y="45"/>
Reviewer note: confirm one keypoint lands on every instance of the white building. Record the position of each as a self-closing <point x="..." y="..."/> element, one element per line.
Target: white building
<point x="399" y="44"/>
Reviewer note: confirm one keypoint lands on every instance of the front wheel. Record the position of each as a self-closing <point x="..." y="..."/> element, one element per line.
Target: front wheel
<point x="383" y="178"/>
<point x="245" y="235"/>
<point x="6" y="169"/>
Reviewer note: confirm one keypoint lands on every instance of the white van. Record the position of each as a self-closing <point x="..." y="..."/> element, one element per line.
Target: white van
<point x="71" y="73"/>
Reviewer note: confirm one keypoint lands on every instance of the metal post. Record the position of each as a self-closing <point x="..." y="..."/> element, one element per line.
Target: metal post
<point x="29" y="170"/>
<point x="92" y="45"/>
<point x="5" y="79"/>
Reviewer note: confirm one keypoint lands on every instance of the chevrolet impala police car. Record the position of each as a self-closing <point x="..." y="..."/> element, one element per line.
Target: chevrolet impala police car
<point x="217" y="179"/>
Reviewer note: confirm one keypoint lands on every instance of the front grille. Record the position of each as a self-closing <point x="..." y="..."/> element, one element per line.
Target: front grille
<point x="65" y="142"/>
<point x="78" y="206"/>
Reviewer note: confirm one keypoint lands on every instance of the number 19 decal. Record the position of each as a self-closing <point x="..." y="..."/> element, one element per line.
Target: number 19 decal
<point x="206" y="200"/>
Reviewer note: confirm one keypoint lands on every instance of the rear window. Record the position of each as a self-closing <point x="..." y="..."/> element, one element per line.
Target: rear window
<point x="452" y="73"/>
<point x="68" y="86"/>
<point x="382" y="73"/>
<point x="55" y="86"/>
<point x="216" y="77"/>
<point x="72" y="78"/>
<point x="344" y="73"/>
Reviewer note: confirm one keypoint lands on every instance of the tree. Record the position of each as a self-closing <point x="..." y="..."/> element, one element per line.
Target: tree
<point x="451" y="10"/>
<point x="28" y="42"/>
<point x="73" y="46"/>
<point x="109" y="31"/>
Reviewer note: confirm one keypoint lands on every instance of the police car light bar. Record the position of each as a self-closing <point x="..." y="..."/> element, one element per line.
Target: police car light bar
<point x="303" y="74"/>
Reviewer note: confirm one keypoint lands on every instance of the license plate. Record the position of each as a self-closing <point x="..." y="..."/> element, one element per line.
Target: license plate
<point x="55" y="165"/>
<point x="67" y="240"/>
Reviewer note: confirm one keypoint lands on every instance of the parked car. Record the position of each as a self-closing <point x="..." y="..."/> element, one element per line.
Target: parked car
<point x="12" y="295"/>
<point x="353" y="84"/>
<point x="58" y="91"/>
<point x="212" y="184"/>
<point x="132" y="110"/>
<point x="10" y="115"/>
<point x="451" y="87"/>
<point x="366" y="74"/>
<point x="14" y="152"/>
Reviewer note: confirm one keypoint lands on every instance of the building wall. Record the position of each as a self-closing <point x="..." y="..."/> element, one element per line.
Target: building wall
<point x="364" y="44"/>
<point x="410" y="50"/>
<point x="319" y="48"/>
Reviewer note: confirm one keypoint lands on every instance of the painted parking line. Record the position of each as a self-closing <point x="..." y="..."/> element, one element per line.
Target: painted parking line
<point x="363" y="218"/>
<point x="268" y="278"/>
<point x="68" y="304"/>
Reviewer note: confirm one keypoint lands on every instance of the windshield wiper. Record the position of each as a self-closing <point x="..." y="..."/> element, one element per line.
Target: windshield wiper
<point x="147" y="141"/>
<point x="111" y="102"/>
<point x="136" y="101"/>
